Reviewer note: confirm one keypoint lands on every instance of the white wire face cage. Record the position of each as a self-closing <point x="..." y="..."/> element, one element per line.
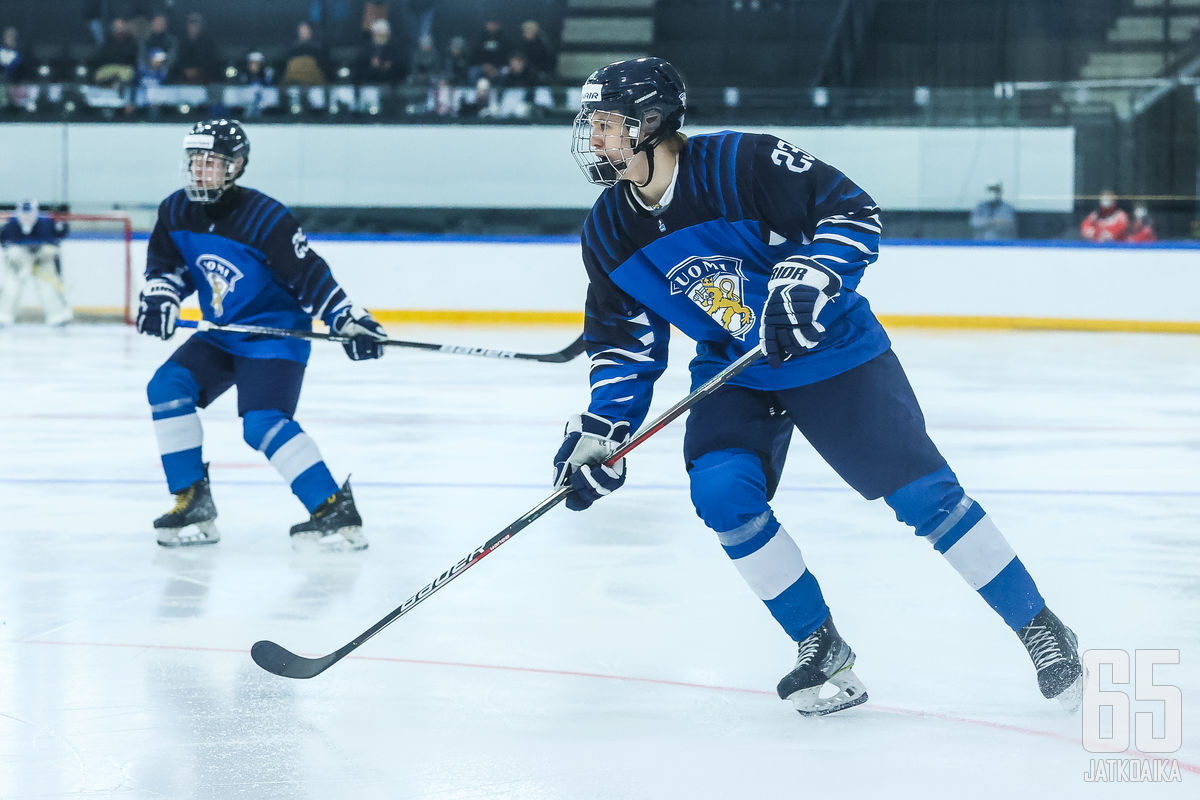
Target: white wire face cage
<point x="603" y="143"/>
<point x="207" y="175"/>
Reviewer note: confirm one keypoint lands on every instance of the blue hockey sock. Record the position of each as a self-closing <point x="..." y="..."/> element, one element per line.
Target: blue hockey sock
<point x="975" y="547"/>
<point x="172" y="394"/>
<point x="961" y="530"/>
<point x="772" y="566"/>
<point x="293" y="454"/>
<point x="729" y="493"/>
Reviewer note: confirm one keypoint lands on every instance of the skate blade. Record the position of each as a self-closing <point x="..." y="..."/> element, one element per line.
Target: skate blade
<point x="343" y="540"/>
<point x="1071" y="698"/>
<point x="850" y="692"/>
<point x="189" y="535"/>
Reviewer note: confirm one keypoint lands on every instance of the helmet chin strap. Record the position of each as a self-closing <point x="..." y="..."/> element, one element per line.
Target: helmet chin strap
<point x="648" y="149"/>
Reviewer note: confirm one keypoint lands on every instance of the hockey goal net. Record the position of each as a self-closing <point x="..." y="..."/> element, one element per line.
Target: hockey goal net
<point x="100" y="271"/>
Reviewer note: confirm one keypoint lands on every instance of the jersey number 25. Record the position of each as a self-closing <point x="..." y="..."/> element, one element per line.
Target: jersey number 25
<point x="785" y="155"/>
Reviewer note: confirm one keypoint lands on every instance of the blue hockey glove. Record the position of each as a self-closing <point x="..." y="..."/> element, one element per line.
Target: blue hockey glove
<point x="363" y="334"/>
<point x="158" y="309"/>
<point x="796" y="293"/>
<point x="588" y="441"/>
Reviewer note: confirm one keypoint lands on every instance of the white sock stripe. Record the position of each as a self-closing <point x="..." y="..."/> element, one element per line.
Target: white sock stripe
<point x="772" y="568"/>
<point x="981" y="554"/>
<point x="271" y="434"/>
<point x="743" y="532"/>
<point x="176" y="434"/>
<point x="170" y="405"/>
<point x="296" y="455"/>
<point x="951" y="520"/>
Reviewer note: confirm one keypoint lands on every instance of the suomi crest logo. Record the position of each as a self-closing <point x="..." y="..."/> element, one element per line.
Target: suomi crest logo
<point x="715" y="284"/>
<point x="222" y="277"/>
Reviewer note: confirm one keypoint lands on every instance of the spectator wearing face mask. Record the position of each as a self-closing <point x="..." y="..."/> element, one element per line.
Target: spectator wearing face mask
<point x="1108" y="223"/>
<point x="1141" y="230"/>
<point x="993" y="219"/>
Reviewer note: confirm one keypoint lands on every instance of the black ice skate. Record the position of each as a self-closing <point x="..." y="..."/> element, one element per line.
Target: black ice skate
<point x="824" y="657"/>
<point x="190" y="522"/>
<point x="335" y="526"/>
<point x="1055" y="653"/>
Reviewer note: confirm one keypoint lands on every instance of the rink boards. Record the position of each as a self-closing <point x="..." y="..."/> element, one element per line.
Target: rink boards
<point x="541" y="279"/>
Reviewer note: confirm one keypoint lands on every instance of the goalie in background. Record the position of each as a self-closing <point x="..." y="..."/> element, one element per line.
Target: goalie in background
<point x="247" y="260"/>
<point x="31" y="251"/>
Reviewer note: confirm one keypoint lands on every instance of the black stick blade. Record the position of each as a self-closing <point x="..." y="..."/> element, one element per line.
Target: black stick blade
<point x="575" y="348"/>
<point x="286" y="664"/>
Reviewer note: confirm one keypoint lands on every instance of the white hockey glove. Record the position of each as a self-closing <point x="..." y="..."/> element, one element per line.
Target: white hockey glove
<point x="796" y="293"/>
<point x="588" y="441"/>
<point x="363" y="334"/>
<point x="158" y="309"/>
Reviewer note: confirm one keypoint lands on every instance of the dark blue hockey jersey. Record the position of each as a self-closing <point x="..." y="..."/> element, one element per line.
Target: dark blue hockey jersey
<point x="741" y="203"/>
<point x="249" y="263"/>
<point x="44" y="231"/>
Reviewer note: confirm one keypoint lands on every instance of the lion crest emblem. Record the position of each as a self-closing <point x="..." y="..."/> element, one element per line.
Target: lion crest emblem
<point x="716" y="285"/>
<point x="222" y="278"/>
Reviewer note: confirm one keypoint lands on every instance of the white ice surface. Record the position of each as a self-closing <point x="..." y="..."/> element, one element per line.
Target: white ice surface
<point x="611" y="654"/>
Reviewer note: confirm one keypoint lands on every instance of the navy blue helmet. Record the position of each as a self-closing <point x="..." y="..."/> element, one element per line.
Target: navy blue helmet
<point x="646" y="97"/>
<point x="212" y="150"/>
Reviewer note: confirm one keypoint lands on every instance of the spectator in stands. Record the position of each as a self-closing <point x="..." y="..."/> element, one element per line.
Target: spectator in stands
<point x="383" y="60"/>
<point x="116" y="61"/>
<point x="257" y="72"/>
<point x="198" y="60"/>
<point x="1108" y="223"/>
<point x="372" y="11"/>
<point x="515" y="85"/>
<point x="456" y="68"/>
<point x="479" y="103"/>
<point x="151" y="74"/>
<point x="12" y="63"/>
<point x="537" y="49"/>
<point x="307" y="63"/>
<point x="93" y="15"/>
<point x="517" y="74"/>
<point x="418" y="20"/>
<point x="490" y="53"/>
<point x="426" y="64"/>
<point x="258" y="75"/>
<point x="160" y="38"/>
<point x="993" y="219"/>
<point x="1141" y="230"/>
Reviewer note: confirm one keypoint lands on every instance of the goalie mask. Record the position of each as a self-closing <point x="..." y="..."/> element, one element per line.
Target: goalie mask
<point x="215" y="155"/>
<point x="627" y="108"/>
<point x="27" y="215"/>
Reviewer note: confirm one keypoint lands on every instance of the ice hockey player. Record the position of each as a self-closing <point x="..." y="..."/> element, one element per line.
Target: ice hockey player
<point x="739" y="239"/>
<point x="248" y="261"/>
<point x="31" y="251"/>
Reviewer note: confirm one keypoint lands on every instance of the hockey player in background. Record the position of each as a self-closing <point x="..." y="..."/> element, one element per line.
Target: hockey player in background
<point x="31" y="240"/>
<point x="248" y="261"/>
<point x="739" y="239"/>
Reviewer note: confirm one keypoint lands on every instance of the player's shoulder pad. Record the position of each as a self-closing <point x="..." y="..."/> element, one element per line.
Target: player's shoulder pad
<point x="716" y="147"/>
<point x="259" y="215"/>
<point x="601" y="232"/>
<point x="172" y="208"/>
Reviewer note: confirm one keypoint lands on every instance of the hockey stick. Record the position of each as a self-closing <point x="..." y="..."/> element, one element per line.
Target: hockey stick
<point x="281" y="661"/>
<point x="566" y="354"/>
